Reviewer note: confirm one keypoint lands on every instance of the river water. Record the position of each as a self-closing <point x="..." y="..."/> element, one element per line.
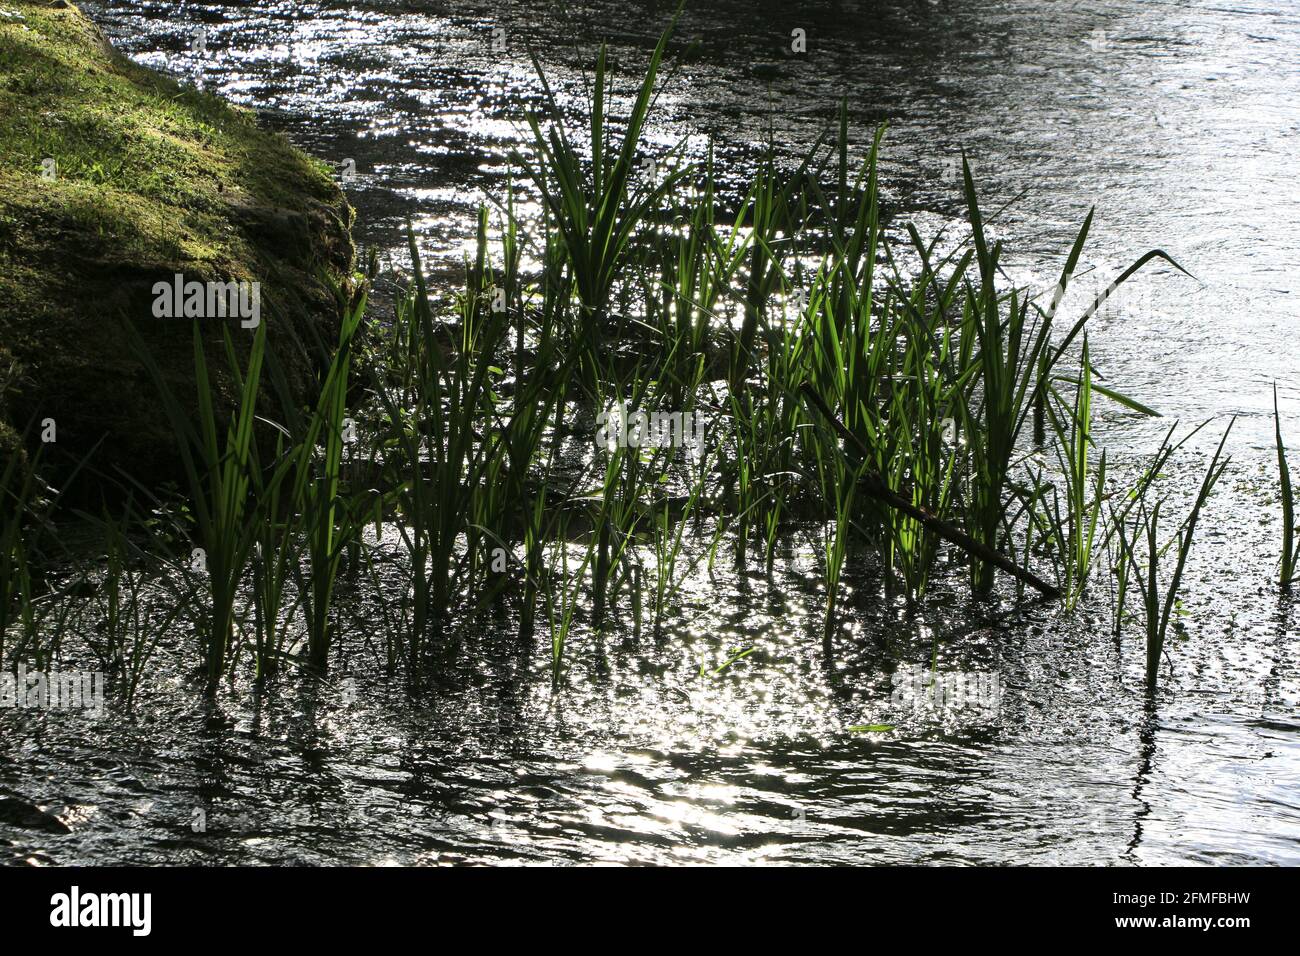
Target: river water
<point x="1178" y="121"/>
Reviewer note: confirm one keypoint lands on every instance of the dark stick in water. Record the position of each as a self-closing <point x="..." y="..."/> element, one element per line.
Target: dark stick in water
<point x="876" y="487"/>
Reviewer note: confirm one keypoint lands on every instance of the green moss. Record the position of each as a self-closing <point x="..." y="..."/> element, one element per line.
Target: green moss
<point x="151" y="178"/>
<point x="114" y="125"/>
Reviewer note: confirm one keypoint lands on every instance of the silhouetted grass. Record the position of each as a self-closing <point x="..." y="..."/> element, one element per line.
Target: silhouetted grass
<point x="885" y="406"/>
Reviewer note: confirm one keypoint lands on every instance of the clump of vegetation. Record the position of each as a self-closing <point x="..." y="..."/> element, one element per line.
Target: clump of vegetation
<point x="512" y="440"/>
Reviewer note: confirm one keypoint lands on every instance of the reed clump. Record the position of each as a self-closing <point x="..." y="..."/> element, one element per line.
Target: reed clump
<point x="512" y="448"/>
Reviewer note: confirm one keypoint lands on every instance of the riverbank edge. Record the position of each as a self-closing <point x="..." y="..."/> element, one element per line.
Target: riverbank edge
<point x="114" y="177"/>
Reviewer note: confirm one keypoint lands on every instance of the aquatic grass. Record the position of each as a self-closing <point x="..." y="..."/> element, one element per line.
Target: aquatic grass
<point x="1120" y="529"/>
<point x="129" y="626"/>
<point x="686" y="272"/>
<point x="519" y="482"/>
<point x="859" y="364"/>
<point x="1158" y="597"/>
<point x="438" y="458"/>
<point x="886" y="361"/>
<point x="328" y="522"/>
<point x="1117" y="552"/>
<point x="874" y="486"/>
<point x="766" y="211"/>
<point x="925" y="450"/>
<point x="733" y="656"/>
<point x="1073" y="534"/>
<point x="1070" y="521"/>
<point x="668" y="532"/>
<point x="220" y="481"/>
<point x="277" y="552"/>
<point x="28" y="535"/>
<point x="394" y="607"/>
<point x="617" y="506"/>
<point x="120" y="617"/>
<point x="756" y="466"/>
<point x="594" y="206"/>
<point x="1287" y="573"/>
<point x="1006" y="364"/>
<point x="668" y="519"/>
<point x="1015" y="363"/>
<point x="842" y="485"/>
<point x="18" y="493"/>
<point x="49" y="617"/>
<point x="562" y="594"/>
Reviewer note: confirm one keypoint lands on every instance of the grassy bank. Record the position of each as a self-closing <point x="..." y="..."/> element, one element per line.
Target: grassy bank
<point x="113" y="177"/>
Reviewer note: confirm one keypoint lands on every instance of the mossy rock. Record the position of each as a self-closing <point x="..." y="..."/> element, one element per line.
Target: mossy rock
<point x="150" y="179"/>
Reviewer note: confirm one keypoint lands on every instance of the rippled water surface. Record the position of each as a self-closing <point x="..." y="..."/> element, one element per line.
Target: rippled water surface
<point x="1179" y="121"/>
